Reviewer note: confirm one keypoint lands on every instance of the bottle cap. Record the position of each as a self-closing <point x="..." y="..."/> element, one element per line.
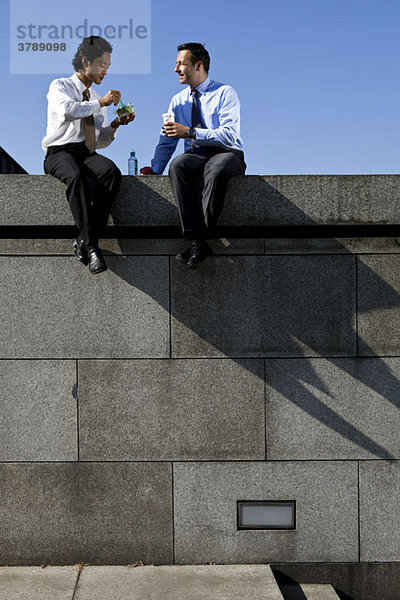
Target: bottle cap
<point x="132" y="153"/>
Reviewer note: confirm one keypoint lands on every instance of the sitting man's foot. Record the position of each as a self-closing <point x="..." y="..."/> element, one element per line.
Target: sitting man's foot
<point x="97" y="264"/>
<point x="184" y="256"/>
<point x="200" y="251"/>
<point x="80" y="251"/>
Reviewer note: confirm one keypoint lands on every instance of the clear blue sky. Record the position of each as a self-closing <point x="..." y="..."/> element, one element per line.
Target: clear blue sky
<point x="319" y="83"/>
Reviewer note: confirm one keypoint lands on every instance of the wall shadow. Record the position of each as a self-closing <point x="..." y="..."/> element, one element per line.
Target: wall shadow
<point x="281" y="306"/>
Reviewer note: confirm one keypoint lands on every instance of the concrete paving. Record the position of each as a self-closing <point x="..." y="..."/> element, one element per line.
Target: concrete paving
<point x="317" y="591"/>
<point x="220" y="582"/>
<point x="200" y="582"/>
<point x="37" y="583"/>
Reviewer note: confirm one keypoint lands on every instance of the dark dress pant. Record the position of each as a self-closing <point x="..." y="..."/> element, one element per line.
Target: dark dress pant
<point x="200" y="185"/>
<point x="92" y="183"/>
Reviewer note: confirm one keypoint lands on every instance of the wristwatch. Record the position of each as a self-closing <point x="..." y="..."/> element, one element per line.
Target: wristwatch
<point x="192" y="133"/>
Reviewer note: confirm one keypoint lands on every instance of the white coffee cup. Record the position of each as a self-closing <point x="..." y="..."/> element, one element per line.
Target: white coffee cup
<point x="169" y="117"/>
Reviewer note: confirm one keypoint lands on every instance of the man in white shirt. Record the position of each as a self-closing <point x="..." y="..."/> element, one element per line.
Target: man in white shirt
<point x="77" y="124"/>
<point x="207" y="116"/>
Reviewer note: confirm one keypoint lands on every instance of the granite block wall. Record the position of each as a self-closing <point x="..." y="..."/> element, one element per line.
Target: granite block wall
<point x="252" y="200"/>
<point x="138" y="406"/>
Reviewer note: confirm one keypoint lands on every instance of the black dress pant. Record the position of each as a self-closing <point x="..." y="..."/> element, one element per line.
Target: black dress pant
<point x="92" y="183"/>
<point x="200" y="185"/>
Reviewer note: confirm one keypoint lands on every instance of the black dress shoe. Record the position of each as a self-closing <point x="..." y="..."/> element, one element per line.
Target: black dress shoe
<point x="80" y="251"/>
<point x="97" y="264"/>
<point x="184" y="256"/>
<point x="200" y="251"/>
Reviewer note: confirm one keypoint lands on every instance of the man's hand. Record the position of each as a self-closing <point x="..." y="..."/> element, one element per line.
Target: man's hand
<point x="176" y="130"/>
<point x="122" y="120"/>
<point x="126" y="119"/>
<point x="112" y="97"/>
<point x="147" y="171"/>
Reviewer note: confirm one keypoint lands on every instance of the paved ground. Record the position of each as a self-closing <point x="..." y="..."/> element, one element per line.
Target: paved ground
<point x="35" y="583"/>
<point x="214" y="582"/>
<point x="315" y="591"/>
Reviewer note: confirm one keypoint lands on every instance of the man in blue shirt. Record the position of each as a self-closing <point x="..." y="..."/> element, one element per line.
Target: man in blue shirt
<point x="207" y="117"/>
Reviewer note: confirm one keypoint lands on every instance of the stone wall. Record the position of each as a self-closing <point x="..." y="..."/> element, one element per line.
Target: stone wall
<point x="139" y="405"/>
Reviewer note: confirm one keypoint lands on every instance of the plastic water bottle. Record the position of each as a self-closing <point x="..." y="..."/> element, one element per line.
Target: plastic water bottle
<point x="132" y="164"/>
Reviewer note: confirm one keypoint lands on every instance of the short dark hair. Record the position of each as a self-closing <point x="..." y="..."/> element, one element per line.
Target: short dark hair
<point x="197" y="53"/>
<point x="92" y="47"/>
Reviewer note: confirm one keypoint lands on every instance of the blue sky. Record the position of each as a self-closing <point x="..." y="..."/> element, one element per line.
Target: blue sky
<point x="318" y="80"/>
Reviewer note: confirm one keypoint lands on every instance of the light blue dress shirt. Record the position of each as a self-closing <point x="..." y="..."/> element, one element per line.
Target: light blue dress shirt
<point x="220" y="108"/>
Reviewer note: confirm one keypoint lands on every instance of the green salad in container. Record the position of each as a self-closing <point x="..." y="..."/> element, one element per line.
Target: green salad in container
<point x="124" y="110"/>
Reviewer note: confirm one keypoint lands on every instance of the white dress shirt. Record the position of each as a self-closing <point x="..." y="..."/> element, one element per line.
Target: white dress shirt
<point x="65" y="112"/>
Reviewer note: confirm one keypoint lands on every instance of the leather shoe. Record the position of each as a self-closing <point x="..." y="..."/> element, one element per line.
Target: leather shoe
<point x="184" y="256"/>
<point x="80" y="251"/>
<point x="97" y="264"/>
<point x="199" y="252"/>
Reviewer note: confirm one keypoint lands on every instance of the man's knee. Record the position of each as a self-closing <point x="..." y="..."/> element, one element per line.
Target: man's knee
<point x="223" y="166"/>
<point x="177" y="164"/>
<point x="67" y="172"/>
<point x="108" y="168"/>
<point x="116" y="173"/>
<point x="109" y="178"/>
<point x="186" y="163"/>
<point x="111" y="166"/>
<point x="117" y="180"/>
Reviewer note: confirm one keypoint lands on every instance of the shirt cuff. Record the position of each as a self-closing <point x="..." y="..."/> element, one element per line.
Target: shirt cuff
<point x="202" y="134"/>
<point x="157" y="169"/>
<point x="96" y="106"/>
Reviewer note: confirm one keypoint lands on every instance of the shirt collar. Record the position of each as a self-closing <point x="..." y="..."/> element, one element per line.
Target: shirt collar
<point x="203" y="86"/>
<point x="81" y="87"/>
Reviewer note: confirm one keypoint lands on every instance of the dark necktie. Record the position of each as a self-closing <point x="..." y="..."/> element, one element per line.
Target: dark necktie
<point x="88" y="124"/>
<point x="197" y="121"/>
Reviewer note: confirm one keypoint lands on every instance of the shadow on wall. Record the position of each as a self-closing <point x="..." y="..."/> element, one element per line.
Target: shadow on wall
<point x="154" y="203"/>
<point x="291" y="589"/>
<point x="285" y="306"/>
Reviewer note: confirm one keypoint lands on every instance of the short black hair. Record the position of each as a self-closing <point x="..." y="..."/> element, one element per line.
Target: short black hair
<point x="197" y="53"/>
<point x="92" y="47"/>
